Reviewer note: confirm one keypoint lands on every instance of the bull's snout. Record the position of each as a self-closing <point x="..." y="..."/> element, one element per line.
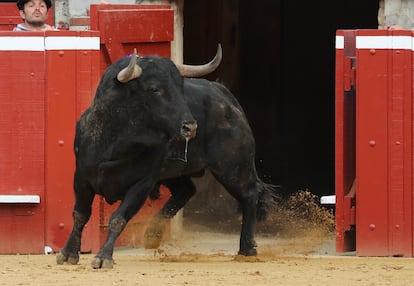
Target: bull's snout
<point x="189" y="129"/>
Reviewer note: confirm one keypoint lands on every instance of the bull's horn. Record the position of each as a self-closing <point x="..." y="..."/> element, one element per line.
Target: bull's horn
<point x="201" y="70"/>
<point x="132" y="71"/>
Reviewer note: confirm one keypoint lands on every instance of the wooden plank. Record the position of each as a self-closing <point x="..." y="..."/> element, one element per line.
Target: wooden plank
<point x="344" y="141"/>
<point x="372" y="149"/>
<point x="22" y="144"/>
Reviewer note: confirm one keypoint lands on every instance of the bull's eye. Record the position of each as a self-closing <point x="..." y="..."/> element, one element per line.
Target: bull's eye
<point x="155" y="90"/>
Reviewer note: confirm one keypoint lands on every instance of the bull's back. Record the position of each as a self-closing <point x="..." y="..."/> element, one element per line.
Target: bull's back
<point x="221" y="119"/>
<point x="203" y="89"/>
<point x="213" y="99"/>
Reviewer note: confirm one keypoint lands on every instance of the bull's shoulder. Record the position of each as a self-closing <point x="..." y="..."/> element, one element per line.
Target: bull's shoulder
<point x="211" y="94"/>
<point x="216" y="109"/>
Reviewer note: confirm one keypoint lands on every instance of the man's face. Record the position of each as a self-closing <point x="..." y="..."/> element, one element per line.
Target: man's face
<point x="34" y="12"/>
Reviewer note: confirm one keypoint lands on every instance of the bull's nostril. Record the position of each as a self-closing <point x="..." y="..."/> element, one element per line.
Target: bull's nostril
<point x="188" y="129"/>
<point x="185" y="130"/>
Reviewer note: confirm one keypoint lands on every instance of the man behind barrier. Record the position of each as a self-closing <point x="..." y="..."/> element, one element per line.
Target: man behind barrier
<point x="34" y="14"/>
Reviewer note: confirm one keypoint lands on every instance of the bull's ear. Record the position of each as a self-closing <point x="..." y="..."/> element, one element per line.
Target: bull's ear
<point x="132" y="71"/>
<point x="201" y="70"/>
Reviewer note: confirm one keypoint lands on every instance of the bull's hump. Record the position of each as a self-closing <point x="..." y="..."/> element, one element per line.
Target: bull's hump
<point x="228" y="115"/>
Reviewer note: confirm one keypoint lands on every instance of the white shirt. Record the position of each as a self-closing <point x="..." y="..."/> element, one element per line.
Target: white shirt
<point x="21" y="28"/>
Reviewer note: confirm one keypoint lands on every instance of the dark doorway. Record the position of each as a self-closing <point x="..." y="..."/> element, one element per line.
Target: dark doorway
<point x="279" y="61"/>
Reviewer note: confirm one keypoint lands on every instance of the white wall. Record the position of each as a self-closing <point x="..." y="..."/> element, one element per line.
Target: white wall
<point x="80" y="7"/>
<point x="396" y="12"/>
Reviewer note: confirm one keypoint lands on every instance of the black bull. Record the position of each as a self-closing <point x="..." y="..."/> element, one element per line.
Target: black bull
<point x="149" y="125"/>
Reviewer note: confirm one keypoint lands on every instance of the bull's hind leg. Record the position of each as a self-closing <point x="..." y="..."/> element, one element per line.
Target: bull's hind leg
<point x="248" y="205"/>
<point x="182" y="189"/>
<point x="244" y="191"/>
<point x="81" y="214"/>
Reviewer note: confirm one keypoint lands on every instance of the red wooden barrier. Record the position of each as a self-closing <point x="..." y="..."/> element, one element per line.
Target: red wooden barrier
<point x="148" y="28"/>
<point x="71" y="80"/>
<point x="383" y="129"/>
<point x="345" y="141"/>
<point x="48" y="79"/>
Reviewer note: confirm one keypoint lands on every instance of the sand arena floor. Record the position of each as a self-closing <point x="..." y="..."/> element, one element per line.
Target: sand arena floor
<point x="202" y="257"/>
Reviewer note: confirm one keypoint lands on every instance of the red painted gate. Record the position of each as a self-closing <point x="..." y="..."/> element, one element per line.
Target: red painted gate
<point x="374" y="146"/>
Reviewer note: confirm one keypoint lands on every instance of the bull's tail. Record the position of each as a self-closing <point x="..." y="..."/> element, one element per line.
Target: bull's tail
<point x="267" y="195"/>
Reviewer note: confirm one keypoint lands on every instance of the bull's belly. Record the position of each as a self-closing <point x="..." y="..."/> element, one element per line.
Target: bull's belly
<point x="173" y="168"/>
<point x="113" y="179"/>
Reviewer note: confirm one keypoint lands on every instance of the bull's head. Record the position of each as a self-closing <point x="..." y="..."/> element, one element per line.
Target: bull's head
<point x="134" y="71"/>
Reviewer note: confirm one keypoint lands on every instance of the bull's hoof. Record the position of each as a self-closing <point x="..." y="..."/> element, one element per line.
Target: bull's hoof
<point x="248" y="252"/>
<point x="152" y="241"/>
<point x="98" y="263"/>
<point x="62" y="258"/>
<point x="154" y="233"/>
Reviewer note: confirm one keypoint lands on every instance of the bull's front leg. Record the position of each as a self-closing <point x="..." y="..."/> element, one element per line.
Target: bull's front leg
<point x="130" y="205"/>
<point x="70" y="252"/>
<point x="104" y="257"/>
<point x="84" y="196"/>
